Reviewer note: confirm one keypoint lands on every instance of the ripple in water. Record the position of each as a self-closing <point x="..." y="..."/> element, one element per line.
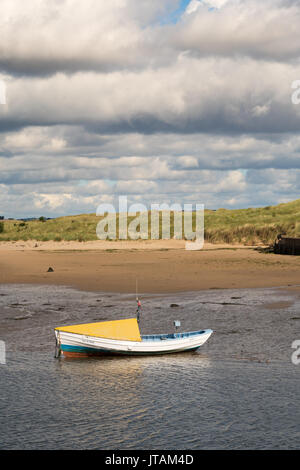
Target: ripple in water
<point x="240" y="391"/>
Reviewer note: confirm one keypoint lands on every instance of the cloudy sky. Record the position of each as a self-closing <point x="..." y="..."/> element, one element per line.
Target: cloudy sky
<point x="160" y="100"/>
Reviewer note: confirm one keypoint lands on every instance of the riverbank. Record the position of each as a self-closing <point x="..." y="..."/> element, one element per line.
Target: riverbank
<point x="160" y="266"/>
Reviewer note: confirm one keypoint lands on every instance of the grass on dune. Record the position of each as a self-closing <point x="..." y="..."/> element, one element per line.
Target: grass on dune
<point x="246" y="226"/>
<point x="80" y="228"/>
<point x="254" y="225"/>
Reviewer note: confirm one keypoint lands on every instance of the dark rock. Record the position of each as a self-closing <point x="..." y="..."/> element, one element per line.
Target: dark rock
<point x="50" y="270"/>
<point x="174" y="305"/>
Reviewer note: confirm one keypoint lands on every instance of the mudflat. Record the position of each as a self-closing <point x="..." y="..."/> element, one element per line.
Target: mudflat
<point x="160" y="266"/>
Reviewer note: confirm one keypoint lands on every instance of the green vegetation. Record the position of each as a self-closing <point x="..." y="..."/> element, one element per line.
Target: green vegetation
<point x="246" y="226"/>
<point x="80" y="227"/>
<point x="253" y="226"/>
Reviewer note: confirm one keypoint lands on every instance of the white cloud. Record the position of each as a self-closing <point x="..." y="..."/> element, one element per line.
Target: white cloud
<point x="38" y="37"/>
<point x="233" y="182"/>
<point x="103" y="97"/>
<point x="207" y="98"/>
<point x="192" y="6"/>
<point x="215" y="3"/>
<point x="263" y="30"/>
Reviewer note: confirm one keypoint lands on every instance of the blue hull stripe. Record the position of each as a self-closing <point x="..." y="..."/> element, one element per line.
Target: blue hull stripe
<point x="98" y="351"/>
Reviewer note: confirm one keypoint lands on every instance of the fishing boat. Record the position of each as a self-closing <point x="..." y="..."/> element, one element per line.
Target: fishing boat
<point x="122" y="337"/>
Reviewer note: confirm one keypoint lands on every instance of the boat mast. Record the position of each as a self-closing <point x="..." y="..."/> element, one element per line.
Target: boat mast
<point x="138" y="311"/>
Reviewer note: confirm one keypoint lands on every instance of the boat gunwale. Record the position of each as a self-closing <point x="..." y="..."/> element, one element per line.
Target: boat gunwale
<point x="149" y="338"/>
<point x="173" y="336"/>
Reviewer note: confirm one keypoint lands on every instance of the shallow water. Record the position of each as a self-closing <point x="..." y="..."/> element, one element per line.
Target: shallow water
<point x="239" y="391"/>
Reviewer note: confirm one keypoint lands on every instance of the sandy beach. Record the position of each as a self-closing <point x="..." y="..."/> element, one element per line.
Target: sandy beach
<point x="160" y="266"/>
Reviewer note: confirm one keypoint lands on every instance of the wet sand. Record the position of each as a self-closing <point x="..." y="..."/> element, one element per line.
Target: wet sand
<point x="239" y="391"/>
<point x="159" y="266"/>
